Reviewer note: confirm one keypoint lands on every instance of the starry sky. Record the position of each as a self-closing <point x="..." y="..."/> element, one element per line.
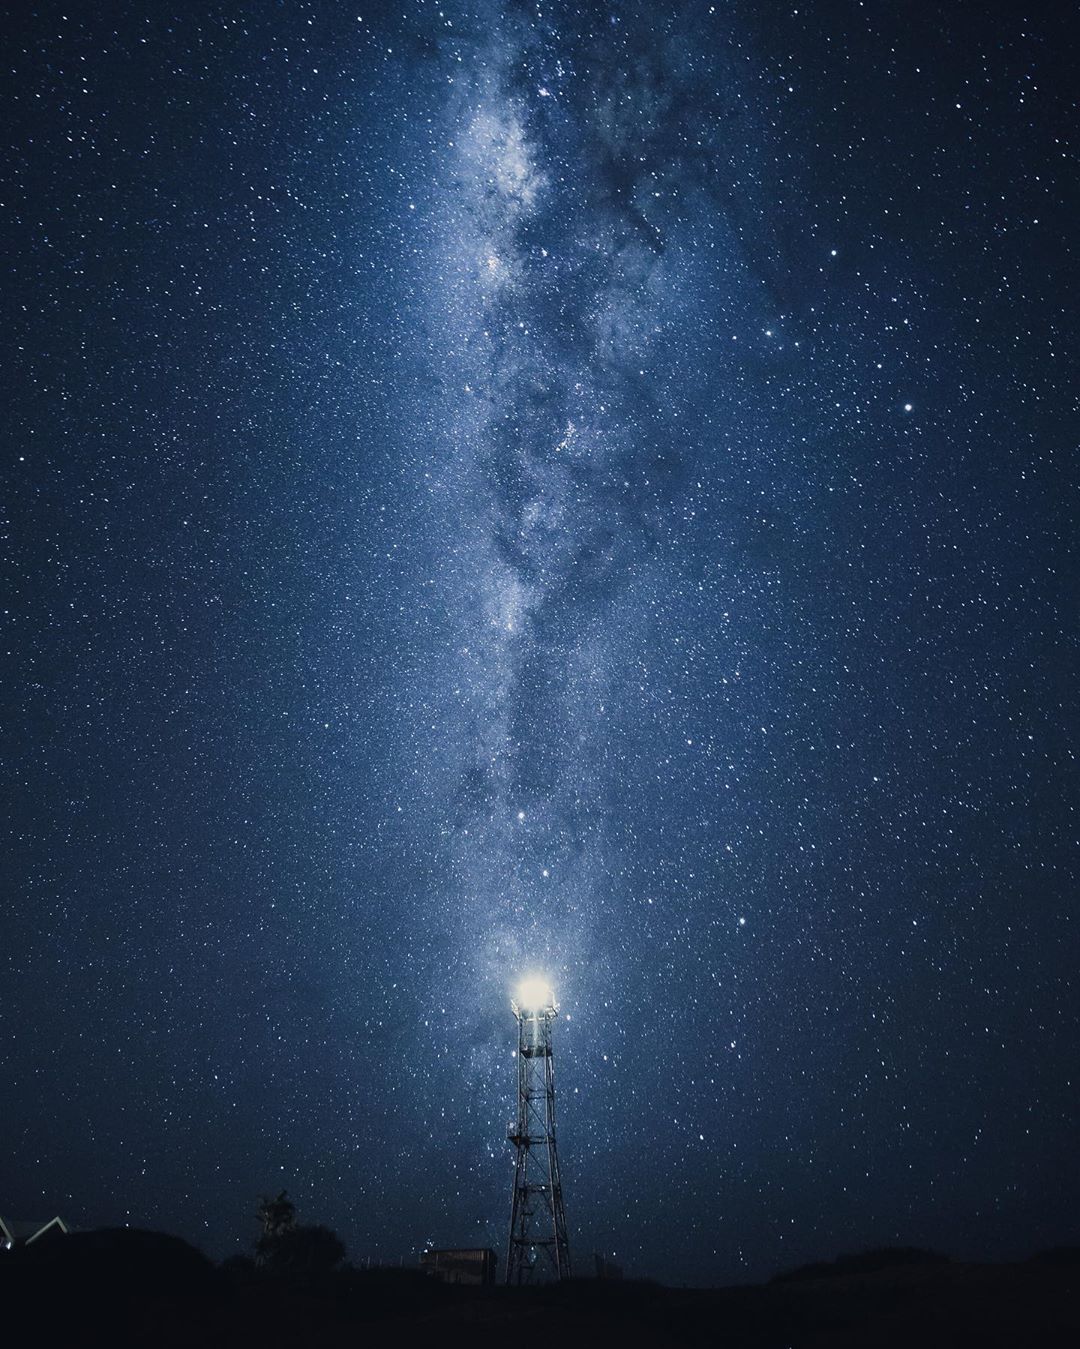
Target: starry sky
<point x="585" y="488"/>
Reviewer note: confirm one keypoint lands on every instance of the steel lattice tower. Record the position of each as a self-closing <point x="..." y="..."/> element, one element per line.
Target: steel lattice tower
<point x="538" y="1247"/>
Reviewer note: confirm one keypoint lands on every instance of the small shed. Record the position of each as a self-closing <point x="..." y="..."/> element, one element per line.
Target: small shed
<point x="469" y="1265"/>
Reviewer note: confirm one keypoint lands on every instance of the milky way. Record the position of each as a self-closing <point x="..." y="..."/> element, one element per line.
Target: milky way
<point x="578" y="489"/>
<point x="559" y="306"/>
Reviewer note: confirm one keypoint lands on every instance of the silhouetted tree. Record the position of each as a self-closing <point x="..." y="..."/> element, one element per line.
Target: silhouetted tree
<point x="278" y="1216"/>
<point x="304" y="1251"/>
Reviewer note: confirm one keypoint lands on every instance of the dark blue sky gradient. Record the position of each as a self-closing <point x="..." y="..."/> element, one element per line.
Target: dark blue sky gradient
<point x="495" y="488"/>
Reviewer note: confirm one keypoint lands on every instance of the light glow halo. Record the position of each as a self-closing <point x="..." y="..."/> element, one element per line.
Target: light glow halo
<point x="534" y="994"/>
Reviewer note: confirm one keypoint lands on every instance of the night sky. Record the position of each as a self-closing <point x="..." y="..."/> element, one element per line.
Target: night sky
<point x="582" y="488"/>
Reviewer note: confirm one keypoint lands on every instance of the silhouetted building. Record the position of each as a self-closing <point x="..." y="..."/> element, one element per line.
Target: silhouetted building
<point x="16" y="1233"/>
<point x="473" y="1265"/>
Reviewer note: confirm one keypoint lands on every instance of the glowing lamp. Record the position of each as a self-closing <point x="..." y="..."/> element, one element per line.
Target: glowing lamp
<point x="534" y="994"/>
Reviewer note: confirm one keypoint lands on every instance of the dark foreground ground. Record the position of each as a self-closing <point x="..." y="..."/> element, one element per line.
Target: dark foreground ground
<point x="131" y="1288"/>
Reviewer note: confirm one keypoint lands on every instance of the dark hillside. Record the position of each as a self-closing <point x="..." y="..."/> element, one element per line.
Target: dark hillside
<point x="143" y="1288"/>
